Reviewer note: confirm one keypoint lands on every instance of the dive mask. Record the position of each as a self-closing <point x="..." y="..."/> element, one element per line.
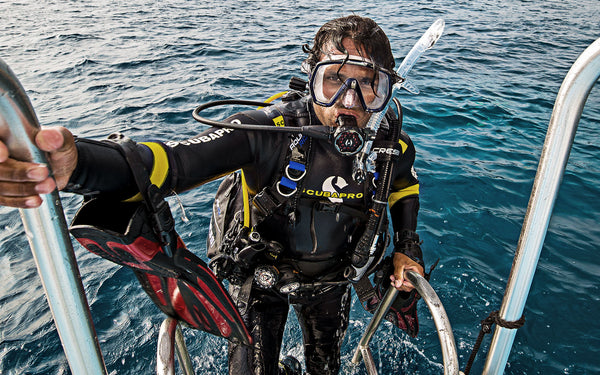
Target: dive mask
<point x="334" y="77"/>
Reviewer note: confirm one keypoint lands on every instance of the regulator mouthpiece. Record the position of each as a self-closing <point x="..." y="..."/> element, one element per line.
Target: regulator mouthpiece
<point x="348" y="138"/>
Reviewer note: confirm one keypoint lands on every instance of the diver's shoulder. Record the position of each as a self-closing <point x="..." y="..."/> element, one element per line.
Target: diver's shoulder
<point x="295" y="110"/>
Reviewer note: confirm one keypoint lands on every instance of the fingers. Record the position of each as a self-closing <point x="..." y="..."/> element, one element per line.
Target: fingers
<point x="18" y="171"/>
<point x="22" y="183"/>
<point x="25" y="194"/>
<point x="27" y="202"/>
<point x="53" y="139"/>
<point x="402" y="263"/>
<point x="399" y="282"/>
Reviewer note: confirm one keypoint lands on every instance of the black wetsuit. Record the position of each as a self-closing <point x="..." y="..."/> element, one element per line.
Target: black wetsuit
<point x="316" y="237"/>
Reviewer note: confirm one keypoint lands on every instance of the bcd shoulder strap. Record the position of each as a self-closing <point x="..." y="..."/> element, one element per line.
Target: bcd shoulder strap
<point x="286" y="187"/>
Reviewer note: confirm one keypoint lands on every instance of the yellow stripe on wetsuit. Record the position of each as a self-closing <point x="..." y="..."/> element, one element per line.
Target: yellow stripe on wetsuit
<point x="277" y="121"/>
<point x="407" y="191"/>
<point x="397" y="195"/>
<point x="246" y="197"/>
<point x="160" y="168"/>
<point x="403" y="145"/>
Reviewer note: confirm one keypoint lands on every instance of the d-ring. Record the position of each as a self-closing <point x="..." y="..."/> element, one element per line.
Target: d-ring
<point x="288" y="175"/>
<point x="282" y="194"/>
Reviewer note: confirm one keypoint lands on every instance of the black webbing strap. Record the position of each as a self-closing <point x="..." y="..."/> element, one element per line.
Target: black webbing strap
<point x="364" y="290"/>
<point x="159" y="210"/>
<point x="275" y="196"/>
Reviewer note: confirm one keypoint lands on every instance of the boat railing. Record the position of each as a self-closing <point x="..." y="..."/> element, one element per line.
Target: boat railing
<point x="170" y="340"/>
<point x="566" y="114"/>
<point x="48" y="237"/>
<point x="440" y="318"/>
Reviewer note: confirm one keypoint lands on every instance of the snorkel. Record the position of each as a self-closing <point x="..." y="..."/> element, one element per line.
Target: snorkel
<point x="362" y="163"/>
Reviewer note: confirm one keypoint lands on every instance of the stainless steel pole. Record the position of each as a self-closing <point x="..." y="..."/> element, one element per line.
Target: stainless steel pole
<point x="442" y="324"/>
<point x="378" y="315"/>
<point x="46" y="230"/>
<point x="170" y="338"/>
<point x="569" y="104"/>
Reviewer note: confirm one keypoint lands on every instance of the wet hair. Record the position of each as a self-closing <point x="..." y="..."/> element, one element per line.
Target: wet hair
<point x="364" y="32"/>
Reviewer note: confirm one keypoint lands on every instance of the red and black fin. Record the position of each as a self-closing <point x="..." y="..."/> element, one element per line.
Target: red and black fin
<point x="181" y="285"/>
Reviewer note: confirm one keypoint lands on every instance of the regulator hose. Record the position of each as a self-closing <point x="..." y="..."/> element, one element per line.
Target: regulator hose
<point x="316" y="131"/>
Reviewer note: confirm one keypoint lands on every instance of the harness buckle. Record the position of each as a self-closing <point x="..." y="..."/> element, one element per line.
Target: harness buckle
<point x="289" y="184"/>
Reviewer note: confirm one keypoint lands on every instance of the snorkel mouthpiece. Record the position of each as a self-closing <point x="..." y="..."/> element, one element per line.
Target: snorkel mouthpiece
<point x="348" y="138"/>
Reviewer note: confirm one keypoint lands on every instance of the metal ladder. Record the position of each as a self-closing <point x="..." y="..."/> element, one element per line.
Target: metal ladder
<point x="57" y="267"/>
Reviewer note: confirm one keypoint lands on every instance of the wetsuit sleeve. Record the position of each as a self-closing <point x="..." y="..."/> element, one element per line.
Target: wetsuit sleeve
<point x="101" y="169"/>
<point x="174" y="166"/>
<point x="217" y="152"/>
<point x="404" y="203"/>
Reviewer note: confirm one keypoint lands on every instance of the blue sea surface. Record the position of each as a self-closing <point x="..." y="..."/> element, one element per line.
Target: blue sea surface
<point x="487" y="90"/>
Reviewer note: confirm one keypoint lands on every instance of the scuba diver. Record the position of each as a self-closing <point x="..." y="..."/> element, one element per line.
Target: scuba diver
<point x="304" y="220"/>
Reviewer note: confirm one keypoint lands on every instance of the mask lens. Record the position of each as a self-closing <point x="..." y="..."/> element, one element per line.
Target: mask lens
<point x="331" y="79"/>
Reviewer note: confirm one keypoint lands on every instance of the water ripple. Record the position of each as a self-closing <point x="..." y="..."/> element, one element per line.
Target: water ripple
<point x="487" y="91"/>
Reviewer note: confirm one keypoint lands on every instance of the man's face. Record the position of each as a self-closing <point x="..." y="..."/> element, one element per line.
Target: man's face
<point x="348" y="103"/>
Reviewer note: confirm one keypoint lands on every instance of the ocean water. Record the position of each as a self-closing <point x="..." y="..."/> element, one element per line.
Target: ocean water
<point x="486" y="95"/>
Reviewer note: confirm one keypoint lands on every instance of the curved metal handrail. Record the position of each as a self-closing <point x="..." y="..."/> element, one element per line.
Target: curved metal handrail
<point x="46" y="230"/>
<point x="569" y="104"/>
<point x="440" y="318"/>
<point x="170" y="338"/>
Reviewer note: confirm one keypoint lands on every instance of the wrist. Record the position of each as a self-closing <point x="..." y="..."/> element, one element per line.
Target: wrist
<point x="407" y="242"/>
